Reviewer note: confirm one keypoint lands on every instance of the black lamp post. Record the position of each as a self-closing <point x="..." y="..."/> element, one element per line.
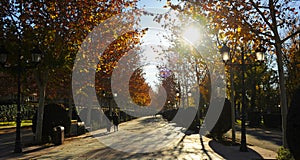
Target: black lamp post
<point x="225" y="51"/>
<point x="115" y="95"/>
<point x="36" y="58"/>
<point x="177" y="99"/>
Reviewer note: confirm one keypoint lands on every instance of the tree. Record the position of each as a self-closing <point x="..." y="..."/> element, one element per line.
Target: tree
<point x="139" y="89"/>
<point x="58" y="29"/>
<point x="268" y="22"/>
<point x="293" y="125"/>
<point x="292" y="62"/>
<point x="122" y="59"/>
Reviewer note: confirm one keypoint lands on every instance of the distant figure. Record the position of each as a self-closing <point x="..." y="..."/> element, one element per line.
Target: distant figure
<point x="108" y="124"/>
<point x="115" y="121"/>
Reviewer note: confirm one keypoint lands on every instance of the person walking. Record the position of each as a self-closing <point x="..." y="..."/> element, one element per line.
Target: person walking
<point x="116" y="121"/>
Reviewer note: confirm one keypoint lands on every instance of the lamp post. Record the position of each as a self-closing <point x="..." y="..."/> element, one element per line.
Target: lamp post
<point x="225" y="51"/>
<point x="189" y="94"/>
<point x="115" y="95"/>
<point x="36" y="58"/>
<point x="177" y="99"/>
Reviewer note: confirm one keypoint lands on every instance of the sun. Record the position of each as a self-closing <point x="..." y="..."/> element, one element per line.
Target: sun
<point x="192" y="34"/>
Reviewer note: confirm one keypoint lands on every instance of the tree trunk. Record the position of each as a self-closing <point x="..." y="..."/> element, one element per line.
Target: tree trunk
<point x="232" y="100"/>
<point x="283" y="100"/>
<point x="253" y="106"/>
<point x="41" y="77"/>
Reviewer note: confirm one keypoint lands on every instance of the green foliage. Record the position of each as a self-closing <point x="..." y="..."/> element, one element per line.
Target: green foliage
<point x="13" y="124"/>
<point x="284" y="154"/>
<point x="9" y="112"/>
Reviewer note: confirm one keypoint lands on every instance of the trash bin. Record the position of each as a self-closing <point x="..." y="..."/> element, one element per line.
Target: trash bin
<point x="80" y="128"/>
<point x="58" y="135"/>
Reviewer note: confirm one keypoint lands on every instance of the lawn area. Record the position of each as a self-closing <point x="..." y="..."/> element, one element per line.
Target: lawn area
<point x="13" y="124"/>
<point x="238" y="122"/>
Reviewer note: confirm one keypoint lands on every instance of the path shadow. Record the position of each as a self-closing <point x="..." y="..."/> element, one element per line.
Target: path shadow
<point x="99" y="134"/>
<point x="266" y="134"/>
<point x="203" y="148"/>
<point x="233" y="152"/>
<point x="32" y="149"/>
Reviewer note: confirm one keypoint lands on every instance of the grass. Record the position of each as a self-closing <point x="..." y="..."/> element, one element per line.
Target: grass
<point x="238" y="122"/>
<point x="13" y="124"/>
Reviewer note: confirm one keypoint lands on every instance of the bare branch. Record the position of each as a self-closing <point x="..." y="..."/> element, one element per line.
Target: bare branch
<point x="262" y="14"/>
<point x="290" y="36"/>
<point x="263" y="7"/>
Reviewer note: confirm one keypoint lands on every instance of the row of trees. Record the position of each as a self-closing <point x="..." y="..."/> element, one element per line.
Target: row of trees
<point x="58" y="29"/>
<point x="247" y="24"/>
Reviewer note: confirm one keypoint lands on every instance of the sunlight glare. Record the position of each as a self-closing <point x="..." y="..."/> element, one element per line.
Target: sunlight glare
<point x="192" y="34"/>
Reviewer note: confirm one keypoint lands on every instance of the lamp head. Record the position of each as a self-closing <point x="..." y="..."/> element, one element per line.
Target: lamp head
<point x="260" y="53"/>
<point x="225" y="51"/>
<point x="36" y="55"/>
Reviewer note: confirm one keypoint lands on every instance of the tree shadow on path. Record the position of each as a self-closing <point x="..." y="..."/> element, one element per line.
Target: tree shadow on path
<point x="203" y="148"/>
<point x="233" y="152"/>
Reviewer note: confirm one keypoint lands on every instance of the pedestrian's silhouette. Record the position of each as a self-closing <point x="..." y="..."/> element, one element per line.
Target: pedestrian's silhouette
<point x="115" y="121"/>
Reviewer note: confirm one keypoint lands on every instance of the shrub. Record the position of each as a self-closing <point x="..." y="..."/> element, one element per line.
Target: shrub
<point x="284" y="154"/>
<point x="169" y="114"/>
<point x="254" y="119"/>
<point x="293" y="125"/>
<point x="223" y="124"/>
<point x="54" y="115"/>
<point x="272" y="120"/>
<point x="95" y="118"/>
<point x="184" y="119"/>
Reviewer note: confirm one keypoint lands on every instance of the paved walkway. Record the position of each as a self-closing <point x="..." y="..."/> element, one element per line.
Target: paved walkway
<point x="270" y="139"/>
<point x="143" y="138"/>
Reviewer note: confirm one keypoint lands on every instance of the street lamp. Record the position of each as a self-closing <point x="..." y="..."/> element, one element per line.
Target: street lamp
<point x="36" y="58"/>
<point x="225" y="51"/>
<point x="177" y="99"/>
<point x="226" y="56"/>
<point x="115" y="95"/>
<point x="260" y="53"/>
<point x="36" y="55"/>
<point x="189" y="94"/>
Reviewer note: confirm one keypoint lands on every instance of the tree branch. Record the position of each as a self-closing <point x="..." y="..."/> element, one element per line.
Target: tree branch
<point x="258" y="33"/>
<point x="290" y="36"/>
<point x="261" y="14"/>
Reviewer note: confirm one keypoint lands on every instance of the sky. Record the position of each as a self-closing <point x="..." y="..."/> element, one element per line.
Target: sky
<point x="152" y="38"/>
<point x="154" y="3"/>
<point x="154" y="41"/>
